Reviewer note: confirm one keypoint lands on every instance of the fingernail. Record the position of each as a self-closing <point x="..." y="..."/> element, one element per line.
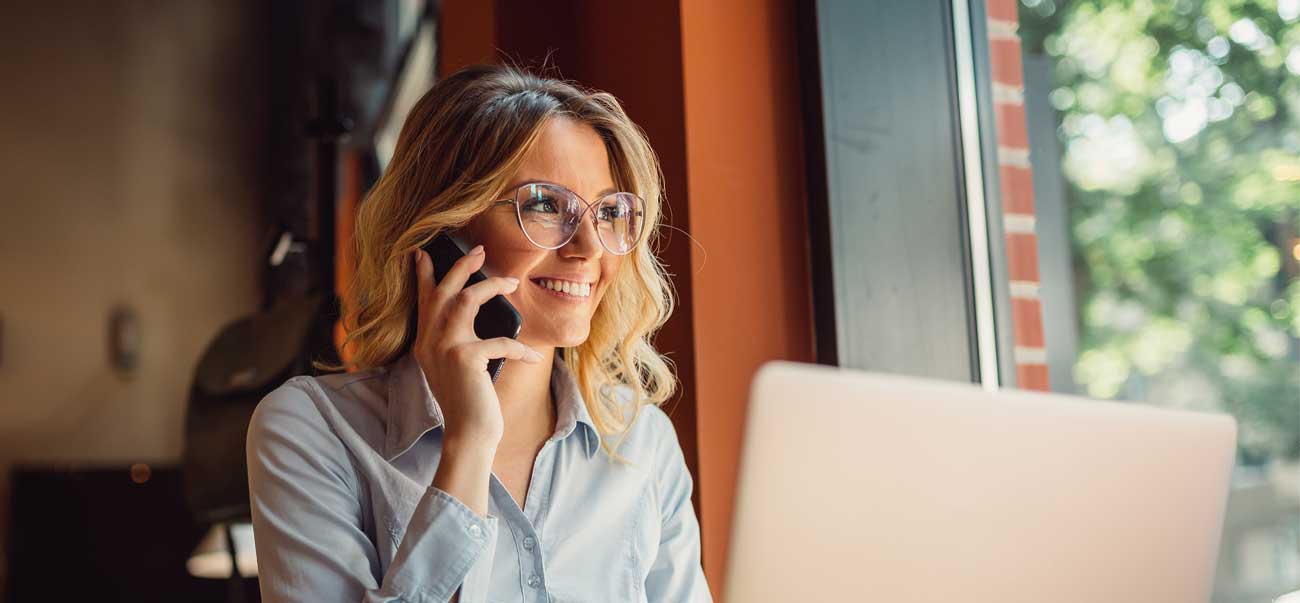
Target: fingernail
<point x="514" y="281"/>
<point x="476" y="250"/>
<point x="535" y="354"/>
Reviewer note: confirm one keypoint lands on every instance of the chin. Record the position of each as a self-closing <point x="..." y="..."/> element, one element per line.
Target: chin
<point x="572" y="341"/>
<point x="569" y="338"/>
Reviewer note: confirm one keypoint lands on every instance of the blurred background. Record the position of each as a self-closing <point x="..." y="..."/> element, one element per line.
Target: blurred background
<point x="1093" y="197"/>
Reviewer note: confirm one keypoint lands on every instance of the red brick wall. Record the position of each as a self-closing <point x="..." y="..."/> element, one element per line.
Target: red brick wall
<point x="1017" y="194"/>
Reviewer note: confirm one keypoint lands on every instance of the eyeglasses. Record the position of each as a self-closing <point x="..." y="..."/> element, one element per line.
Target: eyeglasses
<point x="549" y="215"/>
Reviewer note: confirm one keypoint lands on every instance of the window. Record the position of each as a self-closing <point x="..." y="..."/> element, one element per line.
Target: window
<point x="1164" y="142"/>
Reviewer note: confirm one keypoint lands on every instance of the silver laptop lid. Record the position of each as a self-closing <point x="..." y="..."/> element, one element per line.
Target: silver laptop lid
<point x="865" y="487"/>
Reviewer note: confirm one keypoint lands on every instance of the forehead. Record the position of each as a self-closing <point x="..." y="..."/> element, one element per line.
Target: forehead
<point x="571" y="154"/>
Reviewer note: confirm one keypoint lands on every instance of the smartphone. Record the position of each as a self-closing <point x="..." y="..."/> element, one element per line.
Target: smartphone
<point x="496" y="317"/>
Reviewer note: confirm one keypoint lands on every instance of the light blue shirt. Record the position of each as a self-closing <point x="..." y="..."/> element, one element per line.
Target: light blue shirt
<point x="340" y="468"/>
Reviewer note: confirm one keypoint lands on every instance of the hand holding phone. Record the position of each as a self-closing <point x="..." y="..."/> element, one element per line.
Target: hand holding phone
<point x="452" y="355"/>
<point x="496" y="317"/>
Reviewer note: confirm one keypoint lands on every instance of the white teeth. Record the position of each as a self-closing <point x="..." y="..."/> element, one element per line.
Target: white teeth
<point x="567" y="287"/>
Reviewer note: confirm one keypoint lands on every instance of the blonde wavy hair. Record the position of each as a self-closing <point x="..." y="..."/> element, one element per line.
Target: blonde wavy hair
<point x="457" y="151"/>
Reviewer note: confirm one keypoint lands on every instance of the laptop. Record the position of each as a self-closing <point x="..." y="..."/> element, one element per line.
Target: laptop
<point x="857" y="486"/>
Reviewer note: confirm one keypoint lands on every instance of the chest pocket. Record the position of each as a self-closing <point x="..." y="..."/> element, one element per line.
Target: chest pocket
<point x="606" y="555"/>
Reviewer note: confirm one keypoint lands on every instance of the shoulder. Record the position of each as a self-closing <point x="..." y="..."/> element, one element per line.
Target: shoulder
<point x="314" y="414"/>
<point x="291" y="415"/>
<point x="653" y="436"/>
<point x="656" y="425"/>
<point x="653" y="439"/>
<point x="306" y="400"/>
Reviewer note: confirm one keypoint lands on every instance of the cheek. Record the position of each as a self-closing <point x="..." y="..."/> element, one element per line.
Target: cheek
<point x="610" y="265"/>
<point x="609" y="273"/>
<point x="501" y="237"/>
<point x="508" y="256"/>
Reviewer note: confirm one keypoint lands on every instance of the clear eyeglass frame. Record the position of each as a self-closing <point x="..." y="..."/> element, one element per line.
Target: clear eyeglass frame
<point x="592" y="206"/>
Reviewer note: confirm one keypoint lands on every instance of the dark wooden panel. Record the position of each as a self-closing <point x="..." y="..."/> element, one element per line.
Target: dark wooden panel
<point x="98" y="534"/>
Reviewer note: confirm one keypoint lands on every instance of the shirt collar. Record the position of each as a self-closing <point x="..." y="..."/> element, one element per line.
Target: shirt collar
<point x="412" y="411"/>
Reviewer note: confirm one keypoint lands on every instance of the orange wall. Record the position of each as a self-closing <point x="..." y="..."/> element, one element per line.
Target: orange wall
<point x="745" y="173"/>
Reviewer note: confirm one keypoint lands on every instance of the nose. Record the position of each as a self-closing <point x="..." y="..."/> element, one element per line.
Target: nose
<point x="585" y="242"/>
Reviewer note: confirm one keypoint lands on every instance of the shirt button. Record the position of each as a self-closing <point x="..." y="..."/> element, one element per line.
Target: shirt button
<point x="529" y="543"/>
<point x="533" y="581"/>
<point x="475" y="531"/>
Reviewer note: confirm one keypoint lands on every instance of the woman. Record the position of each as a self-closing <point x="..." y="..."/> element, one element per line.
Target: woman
<point x="416" y="478"/>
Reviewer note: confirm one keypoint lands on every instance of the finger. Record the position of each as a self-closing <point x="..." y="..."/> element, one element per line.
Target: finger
<point x="503" y="347"/>
<point x="461" y="313"/>
<point x="455" y="279"/>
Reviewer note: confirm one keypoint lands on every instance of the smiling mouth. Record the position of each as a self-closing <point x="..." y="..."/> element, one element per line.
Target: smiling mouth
<point x="566" y="290"/>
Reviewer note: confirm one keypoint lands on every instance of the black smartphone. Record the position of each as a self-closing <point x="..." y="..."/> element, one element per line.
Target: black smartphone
<point x="496" y="317"/>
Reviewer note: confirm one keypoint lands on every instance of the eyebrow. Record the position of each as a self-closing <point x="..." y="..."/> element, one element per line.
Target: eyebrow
<point x="607" y="191"/>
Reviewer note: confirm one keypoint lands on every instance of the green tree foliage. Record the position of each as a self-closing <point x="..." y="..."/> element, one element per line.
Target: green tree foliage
<point x="1180" y="129"/>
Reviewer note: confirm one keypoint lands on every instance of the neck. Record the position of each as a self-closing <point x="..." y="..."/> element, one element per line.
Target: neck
<point x="525" y="394"/>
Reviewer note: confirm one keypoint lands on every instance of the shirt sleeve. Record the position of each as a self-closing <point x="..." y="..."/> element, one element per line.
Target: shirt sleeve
<point x="308" y="525"/>
<point x="676" y="574"/>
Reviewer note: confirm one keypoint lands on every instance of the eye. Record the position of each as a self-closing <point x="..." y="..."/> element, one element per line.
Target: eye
<point x="612" y="212"/>
<point x="541" y="204"/>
